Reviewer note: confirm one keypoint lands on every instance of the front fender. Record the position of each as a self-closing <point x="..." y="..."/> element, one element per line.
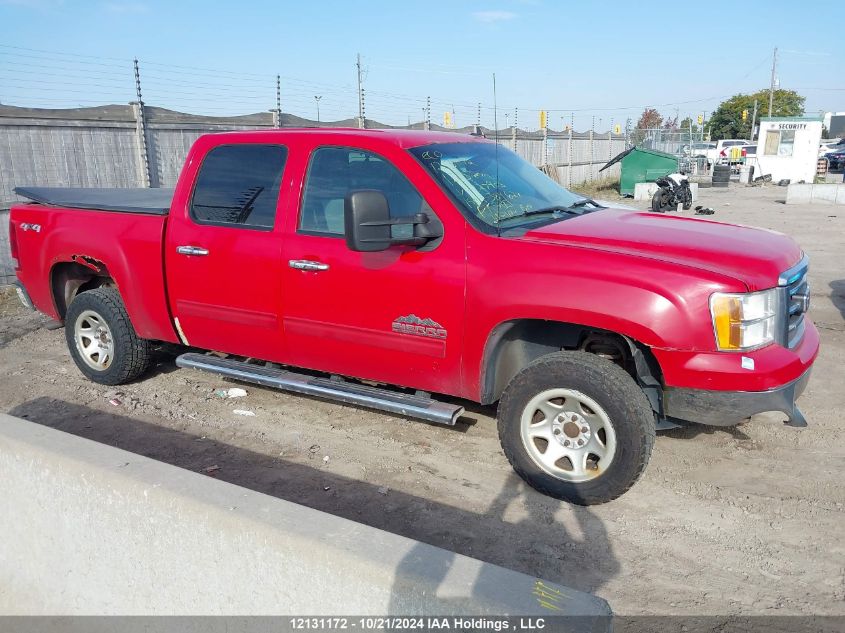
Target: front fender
<point x="657" y="303"/>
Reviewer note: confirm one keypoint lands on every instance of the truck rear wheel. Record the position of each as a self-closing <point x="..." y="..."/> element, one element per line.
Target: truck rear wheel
<point x="576" y="427"/>
<point x="102" y="341"/>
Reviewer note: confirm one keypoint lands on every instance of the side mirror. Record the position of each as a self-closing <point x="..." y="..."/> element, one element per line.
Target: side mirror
<point x="367" y="223"/>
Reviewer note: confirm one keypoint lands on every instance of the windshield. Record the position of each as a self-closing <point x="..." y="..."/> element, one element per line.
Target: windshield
<point x="500" y="195"/>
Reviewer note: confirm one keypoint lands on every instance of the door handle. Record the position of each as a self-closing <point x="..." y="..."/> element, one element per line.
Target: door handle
<point x="191" y="250"/>
<point x="304" y="264"/>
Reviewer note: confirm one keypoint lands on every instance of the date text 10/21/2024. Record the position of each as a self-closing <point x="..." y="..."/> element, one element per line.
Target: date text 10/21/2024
<point x="426" y="623"/>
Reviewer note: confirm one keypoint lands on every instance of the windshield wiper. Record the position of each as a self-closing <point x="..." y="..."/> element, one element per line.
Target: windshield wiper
<point x="572" y="209"/>
<point x="558" y="208"/>
<point x="584" y="202"/>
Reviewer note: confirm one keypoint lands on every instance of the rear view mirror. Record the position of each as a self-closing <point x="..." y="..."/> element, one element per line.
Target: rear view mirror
<point x="367" y="222"/>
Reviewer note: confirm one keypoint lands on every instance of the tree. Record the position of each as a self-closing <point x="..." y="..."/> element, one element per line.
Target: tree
<point x="670" y="123"/>
<point x="649" y="119"/>
<point x="687" y="123"/>
<point x="727" y="121"/>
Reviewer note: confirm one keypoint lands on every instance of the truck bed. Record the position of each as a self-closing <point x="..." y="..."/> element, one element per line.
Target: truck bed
<point x="148" y="201"/>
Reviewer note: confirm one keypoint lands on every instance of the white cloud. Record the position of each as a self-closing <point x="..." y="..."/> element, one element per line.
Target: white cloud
<point x="491" y="17"/>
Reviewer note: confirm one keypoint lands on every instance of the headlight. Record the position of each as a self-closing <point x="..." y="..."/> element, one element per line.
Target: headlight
<point x="744" y="321"/>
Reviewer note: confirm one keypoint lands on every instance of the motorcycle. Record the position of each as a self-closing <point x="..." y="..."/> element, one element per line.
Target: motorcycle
<point x="673" y="190"/>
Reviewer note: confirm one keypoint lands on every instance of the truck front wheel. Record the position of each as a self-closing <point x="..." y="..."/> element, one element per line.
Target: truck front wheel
<point x="102" y="341"/>
<point x="576" y="427"/>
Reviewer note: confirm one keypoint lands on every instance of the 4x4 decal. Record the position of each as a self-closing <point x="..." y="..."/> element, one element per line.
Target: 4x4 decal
<point x="412" y="324"/>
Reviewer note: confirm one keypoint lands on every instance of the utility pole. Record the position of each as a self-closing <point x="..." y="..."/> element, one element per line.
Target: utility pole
<point x="428" y="113"/>
<point x="772" y="85"/>
<point x="317" y="100"/>
<point x="515" y="127"/>
<point x="361" y="121"/>
<point x="753" y="120"/>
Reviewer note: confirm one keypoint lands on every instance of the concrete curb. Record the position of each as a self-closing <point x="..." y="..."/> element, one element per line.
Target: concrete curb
<point x="89" y="529"/>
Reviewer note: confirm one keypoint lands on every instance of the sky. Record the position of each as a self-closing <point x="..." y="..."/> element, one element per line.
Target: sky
<point x="594" y="63"/>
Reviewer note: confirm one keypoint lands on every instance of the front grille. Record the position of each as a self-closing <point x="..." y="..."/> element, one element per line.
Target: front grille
<point x="796" y="302"/>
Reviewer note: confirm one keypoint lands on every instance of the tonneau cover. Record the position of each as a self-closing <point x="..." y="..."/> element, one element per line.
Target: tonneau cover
<point x="150" y="201"/>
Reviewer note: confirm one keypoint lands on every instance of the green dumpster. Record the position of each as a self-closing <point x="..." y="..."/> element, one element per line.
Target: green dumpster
<point x="640" y="164"/>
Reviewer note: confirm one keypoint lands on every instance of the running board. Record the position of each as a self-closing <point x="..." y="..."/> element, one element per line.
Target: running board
<point x="414" y="406"/>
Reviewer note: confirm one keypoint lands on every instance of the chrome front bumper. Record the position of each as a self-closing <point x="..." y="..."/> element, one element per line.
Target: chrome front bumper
<point x="727" y="408"/>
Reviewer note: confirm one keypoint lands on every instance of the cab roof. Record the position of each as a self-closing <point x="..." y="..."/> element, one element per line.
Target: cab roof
<point x="401" y="138"/>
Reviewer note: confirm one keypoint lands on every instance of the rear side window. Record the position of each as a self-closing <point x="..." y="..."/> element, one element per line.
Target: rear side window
<point x="239" y="185"/>
<point x="335" y="171"/>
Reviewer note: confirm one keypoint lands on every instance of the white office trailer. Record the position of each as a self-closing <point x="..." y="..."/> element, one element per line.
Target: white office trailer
<point x="788" y="147"/>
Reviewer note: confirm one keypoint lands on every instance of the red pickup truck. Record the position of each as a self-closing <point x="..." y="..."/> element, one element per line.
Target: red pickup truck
<point x="380" y="267"/>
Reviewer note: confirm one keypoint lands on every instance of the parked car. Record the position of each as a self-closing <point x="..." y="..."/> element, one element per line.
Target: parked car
<point x="730" y="151"/>
<point x="705" y="149"/>
<point x="378" y="267"/>
<point x="836" y="159"/>
<point x="831" y="146"/>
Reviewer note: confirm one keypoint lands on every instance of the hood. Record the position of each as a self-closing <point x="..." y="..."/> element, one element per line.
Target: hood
<point x="753" y="256"/>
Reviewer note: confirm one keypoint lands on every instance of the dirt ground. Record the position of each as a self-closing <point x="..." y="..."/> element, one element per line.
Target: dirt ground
<point x="740" y="521"/>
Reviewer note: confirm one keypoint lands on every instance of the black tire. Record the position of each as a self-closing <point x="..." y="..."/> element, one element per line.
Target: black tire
<point x="608" y="385"/>
<point x="658" y="200"/>
<point x="132" y="356"/>
<point x="721" y="173"/>
<point x="687" y="203"/>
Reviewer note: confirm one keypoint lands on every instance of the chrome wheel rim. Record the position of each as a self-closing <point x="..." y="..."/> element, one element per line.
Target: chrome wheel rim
<point x="568" y="435"/>
<point x="94" y="340"/>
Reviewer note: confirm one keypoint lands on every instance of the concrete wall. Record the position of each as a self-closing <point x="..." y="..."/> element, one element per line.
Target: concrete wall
<point x="822" y="193"/>
<point x="646" y="190"/>
<point x="88" y="529"/>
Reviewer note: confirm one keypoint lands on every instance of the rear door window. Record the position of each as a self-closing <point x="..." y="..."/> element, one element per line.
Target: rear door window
<point x="238" y="185"/>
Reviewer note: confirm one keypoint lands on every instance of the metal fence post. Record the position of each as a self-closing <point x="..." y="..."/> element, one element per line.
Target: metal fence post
<point x="546" y="142"/>
<point x="277" y="113"/>
<point x="515" y="127"/>
<point x="146" y="175"/>
<point x="362" y="121"/>
<point x="571" y="129"/>
<point x="592" y="147"/>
